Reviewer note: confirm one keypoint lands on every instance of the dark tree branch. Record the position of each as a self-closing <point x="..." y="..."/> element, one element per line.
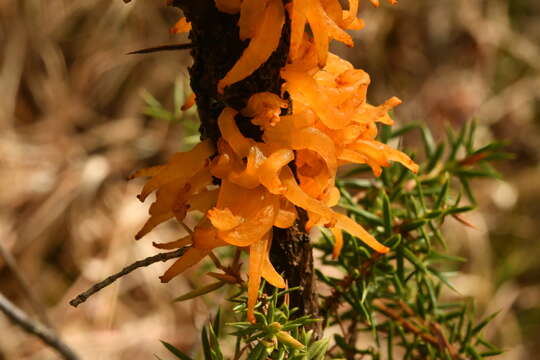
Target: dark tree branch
<point x="141" y="263"/>
<point x="292" y="256"/>
<point x="216" y="48"/>
<point x="20" y="318"/>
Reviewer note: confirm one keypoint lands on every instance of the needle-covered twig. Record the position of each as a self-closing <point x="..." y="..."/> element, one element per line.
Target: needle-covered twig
<point x="439" y="340"/>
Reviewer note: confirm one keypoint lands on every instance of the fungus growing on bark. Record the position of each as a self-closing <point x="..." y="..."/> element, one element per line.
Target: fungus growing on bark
<point x="329" y="124"/>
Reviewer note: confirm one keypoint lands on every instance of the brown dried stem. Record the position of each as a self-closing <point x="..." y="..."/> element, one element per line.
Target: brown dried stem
<point x="36" y="305"/>
<point x="20" y="318"/>
<point x="171" y="47"/>
<point x="439" y="340"/>
<point x="111" y="279"/>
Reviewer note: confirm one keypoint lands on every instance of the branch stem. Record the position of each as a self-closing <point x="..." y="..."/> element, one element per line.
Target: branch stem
<point x="111" y="279"/>
<point x="36" y="305"/>
<point x="20" y="318"/>
<point x="170" y="47"/>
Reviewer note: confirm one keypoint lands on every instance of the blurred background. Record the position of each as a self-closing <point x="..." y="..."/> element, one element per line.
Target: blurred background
<point x="77" y="116"/>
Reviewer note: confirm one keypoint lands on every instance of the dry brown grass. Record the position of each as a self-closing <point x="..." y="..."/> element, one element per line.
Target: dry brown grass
<point x="72" y="129"/>
<point x="71" y="132"/>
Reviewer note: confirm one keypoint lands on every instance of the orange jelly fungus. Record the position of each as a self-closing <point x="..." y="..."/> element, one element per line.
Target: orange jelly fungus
<point x="188" y="104"/>
<point x="265" y="33"/>
<point x="182" y="26"/>
<point x="330" y="124"/>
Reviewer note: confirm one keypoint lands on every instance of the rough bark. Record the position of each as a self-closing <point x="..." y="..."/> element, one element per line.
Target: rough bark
<point x="292" y="256"/>
<point x="216" y="47"/>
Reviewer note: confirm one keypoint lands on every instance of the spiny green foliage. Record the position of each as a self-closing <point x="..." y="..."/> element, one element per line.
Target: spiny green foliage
<point x="189" y="119"/>
<point x="275" y="335"/>
<point x="393" y="302"/>
<point x="397" y="297"/>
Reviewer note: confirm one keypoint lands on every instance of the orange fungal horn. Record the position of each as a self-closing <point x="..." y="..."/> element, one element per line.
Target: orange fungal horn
<point x="264" y="42"/>
<point x="181" y="26"/>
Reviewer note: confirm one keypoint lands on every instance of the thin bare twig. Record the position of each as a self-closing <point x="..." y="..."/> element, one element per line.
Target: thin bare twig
<point x="36" y="305"/>
<point x="171" y="47"/>
<point x="20" y="318"/>
<point x="216" y="261"/>
<point x="137" y="264"/>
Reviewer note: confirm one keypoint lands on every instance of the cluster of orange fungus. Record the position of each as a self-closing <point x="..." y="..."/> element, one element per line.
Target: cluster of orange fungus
<point x="329" y="124"/>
